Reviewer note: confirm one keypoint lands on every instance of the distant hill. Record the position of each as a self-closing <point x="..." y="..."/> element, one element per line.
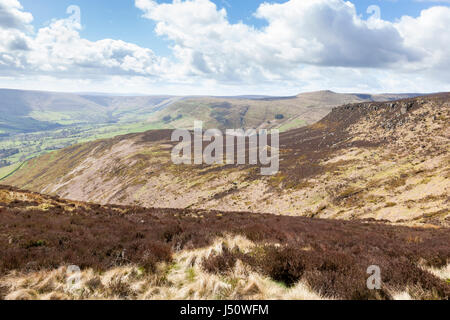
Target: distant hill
<point x="283" y="113"/>
<point x="24" y="111"/>
<point x="29" y="111"/>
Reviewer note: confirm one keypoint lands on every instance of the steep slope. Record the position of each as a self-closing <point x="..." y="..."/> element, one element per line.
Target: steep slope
<point x="35" y="122"/>
<point x="365" y="160"/>
<point x="136" y="253"/>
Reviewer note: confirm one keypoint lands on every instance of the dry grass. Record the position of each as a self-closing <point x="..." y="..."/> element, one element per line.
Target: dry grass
<point x="168" y="248"/>
<point x="183" y="278"/>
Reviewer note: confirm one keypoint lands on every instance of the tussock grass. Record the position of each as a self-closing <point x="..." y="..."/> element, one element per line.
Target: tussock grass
<point x="163" y="247"/>
<point x="184" y="278"/>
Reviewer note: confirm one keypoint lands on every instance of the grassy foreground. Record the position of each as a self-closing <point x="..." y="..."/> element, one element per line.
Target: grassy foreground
<point x="137" y="253"/>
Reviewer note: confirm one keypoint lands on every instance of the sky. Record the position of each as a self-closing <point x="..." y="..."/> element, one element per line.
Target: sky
<point x="225" y="47"/>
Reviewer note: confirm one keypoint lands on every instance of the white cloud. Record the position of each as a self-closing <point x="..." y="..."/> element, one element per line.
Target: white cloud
<point x="429" y="34"/>
<point x="317" y="32"/>
<point x="300" y="33"/>
<point x="58" y="50"/>
<point x="330" y="33"/>
<point x="12" y="16"/>
<point x="14" y="22"/>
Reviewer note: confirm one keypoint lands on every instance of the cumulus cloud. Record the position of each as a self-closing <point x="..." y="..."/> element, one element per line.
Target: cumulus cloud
<point x="330" y="33"/>
<point x="326" y="33"/>
<point x="14" y="23"/>
<point x="429" y="34"/>
<point x="204" y="42"/>
<point x="12" y="15"/>
<point x="304" y="45"/>
<point x="59" y="50"/>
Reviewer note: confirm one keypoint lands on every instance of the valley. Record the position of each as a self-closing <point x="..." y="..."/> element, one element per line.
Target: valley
<point x="381" y="160"/>
<point x="33" y="123"/>
<point x="366" y="185"/>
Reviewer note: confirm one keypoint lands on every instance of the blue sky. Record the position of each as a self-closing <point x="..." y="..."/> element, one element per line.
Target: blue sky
<point x="226" y="46"/>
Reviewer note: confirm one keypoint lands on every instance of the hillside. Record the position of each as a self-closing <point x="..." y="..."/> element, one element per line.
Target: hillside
<point x="28" y="111"/>
<point x="134" y="253"/>
<point x="381" y="160"/>
<point x="283" y="113"/>
<point x="33" y="123"/>
<point x="32" y="111"/>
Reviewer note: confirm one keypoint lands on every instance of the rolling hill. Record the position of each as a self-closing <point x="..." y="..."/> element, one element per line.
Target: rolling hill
<point x="29" y="111"/>
<point x="36" y="122"/>
<point x="367" y="183"/>
<point x="381" y="160"/>
<point x="283" y="113"/>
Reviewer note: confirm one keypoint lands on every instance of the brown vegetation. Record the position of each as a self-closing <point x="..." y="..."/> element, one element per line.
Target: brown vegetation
<point x="330" y="256"/>
<point x="357" y="162"/>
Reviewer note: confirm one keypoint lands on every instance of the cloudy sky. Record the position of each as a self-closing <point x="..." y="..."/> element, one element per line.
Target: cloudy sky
<point x="225" y="47"/>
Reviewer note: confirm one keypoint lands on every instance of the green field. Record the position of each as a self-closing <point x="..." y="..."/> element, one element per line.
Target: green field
<point x="9" y="170"/>
<point x="292" y="124"/>
<point x="37" y="143"/>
